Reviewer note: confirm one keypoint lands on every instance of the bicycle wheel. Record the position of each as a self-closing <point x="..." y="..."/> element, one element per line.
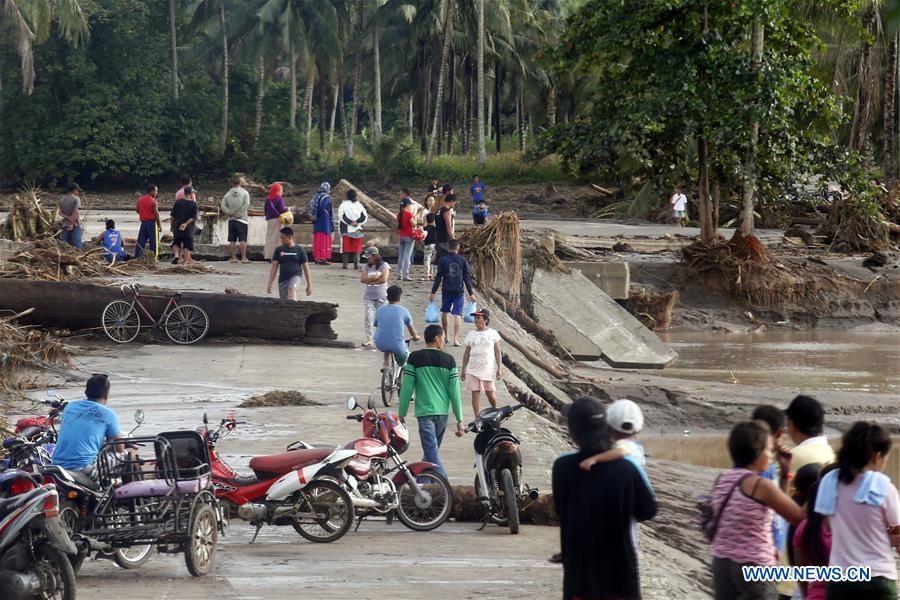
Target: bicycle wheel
<point x="387" y="385"/>
<point x="186" y="324"/>
<point x="121" y="321"/>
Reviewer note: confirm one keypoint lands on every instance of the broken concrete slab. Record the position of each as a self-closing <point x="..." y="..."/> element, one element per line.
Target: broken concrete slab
<point x="77" y="306"/>
<point x="613" y="277"/>
<point x="592" y="325"/>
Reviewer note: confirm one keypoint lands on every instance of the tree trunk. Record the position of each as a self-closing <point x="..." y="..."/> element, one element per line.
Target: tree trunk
<point x="498" y="77"/>
<point x="423" y="89"/>
<point x="745" y="221"/>
<point x="442" y="72"/>
<point x="488" y="123"/>
<point x="357" y="78"/>
<point x="322" y="113"/>
<point x="890" y="124"/>
<point x="308" y="106"/>
<point x="223" y="139"/>
<point x="260" y="94"/>
<point x="336" y="89"/>
<point x="411" y="103"/>
<point x="482" y="150"/>
<point x="173" y="45"/>
<point x="551" y="105"/>
<point x="451" y="107"/>
<point x="707" y="227"/>
<point x="467" y="110"/>
<point x="377" y="60"/>
<point x="520" y="117"/>
<point x="293" y="102"/>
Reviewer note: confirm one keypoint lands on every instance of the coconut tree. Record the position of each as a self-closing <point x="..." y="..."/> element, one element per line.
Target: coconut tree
<point x="442" y="73"/>
<point x="482" y="148"/>
<point x="31" y="22"/>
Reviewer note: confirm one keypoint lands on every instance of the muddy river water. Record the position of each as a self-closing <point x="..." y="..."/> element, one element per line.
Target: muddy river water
<point x="823" y="359"/>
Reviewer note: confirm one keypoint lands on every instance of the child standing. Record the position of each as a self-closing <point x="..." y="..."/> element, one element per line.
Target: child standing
<point x="477" y="192"/>
<point x="482" y="360"/>
<point x="480" y="213"/>
<point x="428" y="245"/>
<point x="112" y="244"/>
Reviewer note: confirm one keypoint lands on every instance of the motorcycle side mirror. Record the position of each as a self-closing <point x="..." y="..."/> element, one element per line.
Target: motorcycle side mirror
<point x="139" y="416"/>
<point x="205" y="419"/>
<point x="371" y="403"/>
<point x="52" y="393"/>
<point x="352" y="404"/>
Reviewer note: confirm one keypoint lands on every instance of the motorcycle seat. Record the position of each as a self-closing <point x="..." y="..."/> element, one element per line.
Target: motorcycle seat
<point x="80" y="478"/>
<point x="150" y="488"/>
<point x="284" y="462"/>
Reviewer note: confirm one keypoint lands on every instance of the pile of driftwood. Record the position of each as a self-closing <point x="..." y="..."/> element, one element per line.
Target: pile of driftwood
<point x="28" y="220"/>
<point x="655" y="311"/>
<point x="52" y="260"/>
<point x="24" y="348"/>
<point x="494" y="252"/>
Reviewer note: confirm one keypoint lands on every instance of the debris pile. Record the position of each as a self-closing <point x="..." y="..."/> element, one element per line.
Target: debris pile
<point x="855" y="226"/>
<point x="28" y="220"/>
<point x="653" y="310"/>
<point x="25" y="348"/>
<point x="494" y="252"/>
<point x="278" y="398"/>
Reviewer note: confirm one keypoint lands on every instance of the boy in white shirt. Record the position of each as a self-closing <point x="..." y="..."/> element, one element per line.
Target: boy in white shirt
<point x="679" y="207"/>
<point x="482" y="360"/>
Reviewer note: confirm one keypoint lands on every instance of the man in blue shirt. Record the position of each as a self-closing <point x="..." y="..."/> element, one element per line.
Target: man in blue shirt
<point x="111" y="240"/>
<point x="477" y="191"/>
<point x="86" y="425"/>
<point x="389" y="322"/>
<point x="454" y="277"/>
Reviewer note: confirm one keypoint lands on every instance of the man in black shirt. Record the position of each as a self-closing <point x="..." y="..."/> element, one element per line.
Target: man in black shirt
<point x="444" y="225"/>
<point x="289" y="259"/>
<point x="595" y="511"/>
<point x="184" y="219"/>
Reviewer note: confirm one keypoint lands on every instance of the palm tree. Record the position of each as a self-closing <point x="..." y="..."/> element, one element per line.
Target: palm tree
<point x="173" y="47"/>
<point x="482" y="148"/>
<point x="36" y="26"/>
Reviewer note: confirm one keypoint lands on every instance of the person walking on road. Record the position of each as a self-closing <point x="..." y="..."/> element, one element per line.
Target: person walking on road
<point x="482" y="360"/>
<point x="596" y="509"/>
<point x="406" y="224"/>
<point x="235" y="205"/>
<point x="70" y="214"/>
<point x="290" y="261"/>
<point x="184" y="219"/>
<point x="374" y="276"/>
<point x="679" y="207"/>
<point x="432" y="376"/>
<point x="323" y="224"/>
<point x="274" y="208"/>
<point x="454" y="278"/>
<point x="352" y="216"/>
<point x="148" y="234"/>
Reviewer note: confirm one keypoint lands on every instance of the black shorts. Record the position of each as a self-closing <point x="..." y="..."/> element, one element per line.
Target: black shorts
<point x="185" y="239"/>
<point x="237" y="231"/>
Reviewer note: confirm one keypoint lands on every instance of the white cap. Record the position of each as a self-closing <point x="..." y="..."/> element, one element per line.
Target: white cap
<point x="625" y="416"/>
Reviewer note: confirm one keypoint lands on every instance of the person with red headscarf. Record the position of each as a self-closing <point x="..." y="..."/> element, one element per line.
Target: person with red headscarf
<point x="274" y="209"/>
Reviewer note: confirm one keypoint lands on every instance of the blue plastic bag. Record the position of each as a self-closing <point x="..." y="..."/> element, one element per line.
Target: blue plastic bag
<point x="467" y="312"/>
<point x="432" y="314"/>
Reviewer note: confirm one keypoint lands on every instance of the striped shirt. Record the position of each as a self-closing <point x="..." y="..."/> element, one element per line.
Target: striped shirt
<point x="745" y="525"/>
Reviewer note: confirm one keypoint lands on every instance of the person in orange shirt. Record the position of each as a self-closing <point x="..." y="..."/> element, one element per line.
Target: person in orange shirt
<point x="148" y="212"/>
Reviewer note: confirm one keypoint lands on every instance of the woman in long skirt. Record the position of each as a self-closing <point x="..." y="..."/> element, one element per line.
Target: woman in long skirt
<point x="323" y="227"/>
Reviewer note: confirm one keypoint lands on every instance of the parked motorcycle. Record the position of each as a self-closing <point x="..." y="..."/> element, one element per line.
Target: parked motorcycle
<point x="295" y="488"/>
<point x="380" y="482"/>
<point x="35" y="437"/>
<point x="498" y="469"/>
<point x="33" y="543"/>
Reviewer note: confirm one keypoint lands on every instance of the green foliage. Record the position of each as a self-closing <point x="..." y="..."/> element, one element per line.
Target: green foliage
<point x="281" y="154"/>
<point x="391" y="154"/>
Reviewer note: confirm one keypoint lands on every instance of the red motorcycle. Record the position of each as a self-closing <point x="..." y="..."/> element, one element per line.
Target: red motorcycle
<point x="380" y="482"/>
<point x="295" y="488"/>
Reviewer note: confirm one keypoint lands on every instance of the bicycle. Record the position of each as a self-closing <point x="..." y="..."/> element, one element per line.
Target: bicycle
<point x="391" y="378"/>
<point x="183" y="323"/>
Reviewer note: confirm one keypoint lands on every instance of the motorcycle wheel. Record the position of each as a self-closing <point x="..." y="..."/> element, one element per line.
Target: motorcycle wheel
<point x="56" y="573"/>
<point x="496" y="519"/>
<point x="511" y="500"/>
<point x="70" y="517"/>
<point x="203" y="533"/>
<point x="323" y="497"/>
<point x="438" y="510"/>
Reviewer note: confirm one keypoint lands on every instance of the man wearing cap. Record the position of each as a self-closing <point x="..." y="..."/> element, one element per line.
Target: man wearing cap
<point x="482" y="360"/>
<point x="148" y="212"/>
<point x="374" y="276"/>
<point x="406" y="223"/>
<point x="86" y="425"/>
<point x="69" y="207"/>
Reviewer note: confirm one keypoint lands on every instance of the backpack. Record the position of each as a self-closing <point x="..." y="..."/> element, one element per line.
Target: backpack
<point x="315" y="205"/>
<point x="709" y="519"/>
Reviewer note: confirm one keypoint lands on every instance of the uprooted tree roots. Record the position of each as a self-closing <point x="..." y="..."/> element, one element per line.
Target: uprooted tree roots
<point x="655" y="311"/>
<point x="854" y="226"/>
<point x="743" y="269"/>
<point x="24" y="349"/>
<point x="28" y="220"/>
<point x="494" y="252"/>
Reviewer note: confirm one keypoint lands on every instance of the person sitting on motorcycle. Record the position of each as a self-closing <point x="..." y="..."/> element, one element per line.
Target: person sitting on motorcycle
<point x="86" y="425"/>
<point x="389" y="322"/>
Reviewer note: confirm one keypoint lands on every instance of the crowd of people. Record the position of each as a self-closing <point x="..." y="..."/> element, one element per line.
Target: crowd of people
<point x="806" y="506"/>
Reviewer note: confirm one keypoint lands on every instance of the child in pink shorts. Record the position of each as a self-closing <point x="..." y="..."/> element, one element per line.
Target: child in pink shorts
<point x="482" y="361"/>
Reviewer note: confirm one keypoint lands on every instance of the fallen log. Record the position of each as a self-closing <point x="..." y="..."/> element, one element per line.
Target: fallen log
<point x="76" y="306"/>
<point x="527" y="398"/>
<point x="375" y="210"/>
<point x="467" y="508"/>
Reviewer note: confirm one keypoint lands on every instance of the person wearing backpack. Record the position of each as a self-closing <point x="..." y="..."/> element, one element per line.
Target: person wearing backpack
<point x="743" y="505"/>
<point x="322" y="214"/>
<point x="454" y="273"/>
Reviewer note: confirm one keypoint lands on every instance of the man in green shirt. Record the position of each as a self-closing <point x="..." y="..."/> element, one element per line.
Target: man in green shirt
<point x="431" y="375"/>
